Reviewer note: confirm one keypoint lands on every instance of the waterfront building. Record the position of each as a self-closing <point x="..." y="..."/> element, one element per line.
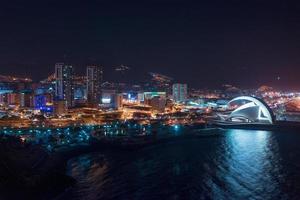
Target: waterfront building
<point x="93" y="84"/>
<point x="26" y="99"/>
<point x="179" y="92"/>
<point x="248" y="109"/>
<point x="43" y="102"/>
<point x="13" y="99"/>
<point x="64" y="88"/>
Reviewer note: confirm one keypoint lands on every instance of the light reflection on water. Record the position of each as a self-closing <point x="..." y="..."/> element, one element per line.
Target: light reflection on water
<point x="235" y="164"/>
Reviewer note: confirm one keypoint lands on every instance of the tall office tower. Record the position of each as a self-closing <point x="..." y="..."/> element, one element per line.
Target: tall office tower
<point x="179" y="92"/>
<point x="93" y="84"/>
<point x="64" y="89"/>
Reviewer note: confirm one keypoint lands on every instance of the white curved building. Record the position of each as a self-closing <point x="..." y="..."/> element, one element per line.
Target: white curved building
<point x="252" y="110"/>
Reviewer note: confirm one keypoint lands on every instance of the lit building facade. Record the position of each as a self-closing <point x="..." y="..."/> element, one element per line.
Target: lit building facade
<point x="93" y="84"/>
<point x="111" y="99"/>
<point x="179" y="92"/>
<point x="142" y="97"/>
<point x="249" y="109"/>
<point x="26" y="99"/>
<point x="157" y="103"/>
<point x="43" y="102"/>
<point x="13" y="99"/>
<point x="64" y="88"/>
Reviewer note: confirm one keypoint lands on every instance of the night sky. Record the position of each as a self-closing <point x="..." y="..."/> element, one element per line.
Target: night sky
<point x="207" y="44"/>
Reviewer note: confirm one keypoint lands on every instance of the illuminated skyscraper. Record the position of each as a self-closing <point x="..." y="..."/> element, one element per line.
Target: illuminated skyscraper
<point x="179" y="92"/>
<point x="26" y="99"/>
<point x="64" y="89"/>
<point x="93" y="84"/>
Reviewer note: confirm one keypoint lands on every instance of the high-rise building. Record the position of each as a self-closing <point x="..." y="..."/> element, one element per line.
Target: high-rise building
<point x="26" y="99"/>
<point x="64" y="89"/>
<point x="93" y="84"/>
<point x="179" y="92"/>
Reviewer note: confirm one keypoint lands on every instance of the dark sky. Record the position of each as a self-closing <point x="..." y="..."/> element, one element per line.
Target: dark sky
<point x="206" y="44"/>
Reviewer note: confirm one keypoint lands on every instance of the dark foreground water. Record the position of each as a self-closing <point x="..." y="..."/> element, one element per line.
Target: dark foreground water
<point x="234" y="164"/>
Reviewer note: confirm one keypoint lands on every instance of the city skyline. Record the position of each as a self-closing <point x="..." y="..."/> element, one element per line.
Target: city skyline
<point x="202" y="44"/>
<point x="114" y="75"/>
<point x="156" y="99"/>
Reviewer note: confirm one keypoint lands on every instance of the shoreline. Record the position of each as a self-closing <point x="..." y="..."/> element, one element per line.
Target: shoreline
<point x="48" y="174"/>
<point x="277" y="126"/>
<point x="45" y="177"/>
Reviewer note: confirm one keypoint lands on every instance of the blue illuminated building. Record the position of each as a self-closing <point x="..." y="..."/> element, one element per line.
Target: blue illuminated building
<point x="41" y="103"/>
<point x="132" y="96"/>
<point x="6" y="88"/>
<point x="80" y="92"/>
